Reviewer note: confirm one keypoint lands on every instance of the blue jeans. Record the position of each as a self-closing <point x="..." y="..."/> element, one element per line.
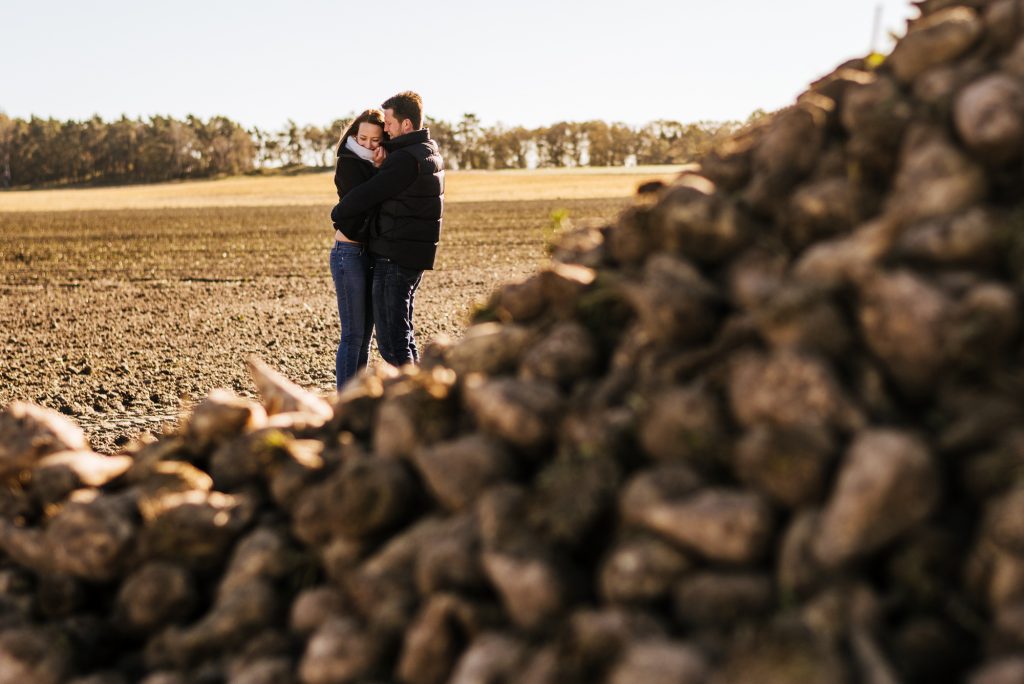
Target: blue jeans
<point x="394" y="291"/>
<point x="350" y="268"/>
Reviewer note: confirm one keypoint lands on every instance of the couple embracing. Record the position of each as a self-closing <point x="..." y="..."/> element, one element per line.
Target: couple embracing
<point x="390" y="180"/>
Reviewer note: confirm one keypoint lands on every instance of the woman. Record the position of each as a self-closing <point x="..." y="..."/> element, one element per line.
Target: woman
<point x="359" y="153"/>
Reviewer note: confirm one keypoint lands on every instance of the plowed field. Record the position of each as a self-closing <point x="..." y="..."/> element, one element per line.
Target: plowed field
<point x="122" y="317"/>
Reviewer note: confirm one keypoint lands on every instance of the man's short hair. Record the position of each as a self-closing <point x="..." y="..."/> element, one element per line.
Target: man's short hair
<point x="407" y="105"/>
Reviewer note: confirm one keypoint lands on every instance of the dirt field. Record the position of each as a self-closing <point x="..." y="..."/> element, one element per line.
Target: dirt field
<point x="315" y="189"/>
<point x="125" y="310"/>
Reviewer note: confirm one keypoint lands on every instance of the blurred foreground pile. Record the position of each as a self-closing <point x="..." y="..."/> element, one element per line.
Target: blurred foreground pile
<point x="768" y="428"/>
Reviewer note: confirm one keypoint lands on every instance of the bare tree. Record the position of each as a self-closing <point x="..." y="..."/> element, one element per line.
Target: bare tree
<point x="6" y="145"/>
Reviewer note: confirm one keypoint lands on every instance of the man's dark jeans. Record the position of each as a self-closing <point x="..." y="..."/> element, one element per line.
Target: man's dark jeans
<point x="394" y="291"/>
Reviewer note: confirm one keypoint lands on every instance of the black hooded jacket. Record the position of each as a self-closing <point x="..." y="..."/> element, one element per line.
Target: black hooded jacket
<point x="409" y="191"/>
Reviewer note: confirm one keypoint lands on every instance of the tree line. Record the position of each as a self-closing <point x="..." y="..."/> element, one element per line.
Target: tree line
<point x="39" y="151"/>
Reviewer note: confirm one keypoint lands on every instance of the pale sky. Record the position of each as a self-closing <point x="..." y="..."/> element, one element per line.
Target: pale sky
<point x="528" y="62"/>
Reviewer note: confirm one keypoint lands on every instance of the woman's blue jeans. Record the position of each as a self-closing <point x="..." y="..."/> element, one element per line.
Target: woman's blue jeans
<point x="351" y="268"/>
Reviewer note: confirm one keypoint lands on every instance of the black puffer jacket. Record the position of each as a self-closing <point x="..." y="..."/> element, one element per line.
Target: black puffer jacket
<point x="409" y="189"/>
<point x="409" y="225"/>
<point x="351" y="171"/>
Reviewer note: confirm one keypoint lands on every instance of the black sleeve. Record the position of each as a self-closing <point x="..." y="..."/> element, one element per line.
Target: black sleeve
<point x="349" y="173"/>
<point x="397" y="173"/>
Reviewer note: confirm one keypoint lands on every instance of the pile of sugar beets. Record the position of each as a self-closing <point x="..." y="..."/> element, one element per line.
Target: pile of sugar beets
<point x="767" y="428"/>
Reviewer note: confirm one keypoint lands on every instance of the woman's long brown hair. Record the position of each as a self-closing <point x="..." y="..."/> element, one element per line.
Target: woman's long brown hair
<point x="373" y="116"/>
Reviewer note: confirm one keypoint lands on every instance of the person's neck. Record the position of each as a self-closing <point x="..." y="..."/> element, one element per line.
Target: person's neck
<point x="405" y="139"/>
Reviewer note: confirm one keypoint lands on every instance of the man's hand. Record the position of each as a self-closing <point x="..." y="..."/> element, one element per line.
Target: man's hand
<point x="379" y="155"/>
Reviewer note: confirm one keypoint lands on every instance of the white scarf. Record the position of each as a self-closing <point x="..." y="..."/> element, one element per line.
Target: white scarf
<point x="359" y="150"/>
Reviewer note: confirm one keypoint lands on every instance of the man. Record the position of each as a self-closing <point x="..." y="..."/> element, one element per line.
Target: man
<point x="408" y="192"/>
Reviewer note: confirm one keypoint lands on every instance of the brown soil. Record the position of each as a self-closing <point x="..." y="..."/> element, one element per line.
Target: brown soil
<point x="122" y="319"/>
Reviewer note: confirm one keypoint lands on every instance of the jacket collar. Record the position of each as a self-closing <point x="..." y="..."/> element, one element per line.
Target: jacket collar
<point x="420" y="136"/>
